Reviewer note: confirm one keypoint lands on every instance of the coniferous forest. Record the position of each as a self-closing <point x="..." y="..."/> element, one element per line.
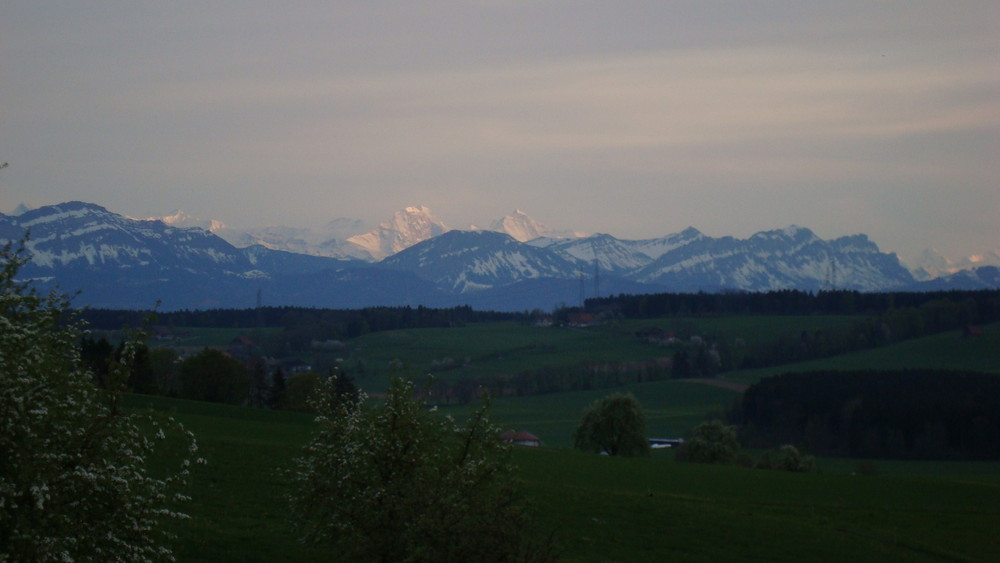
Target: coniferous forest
<point x="902" y="414"/>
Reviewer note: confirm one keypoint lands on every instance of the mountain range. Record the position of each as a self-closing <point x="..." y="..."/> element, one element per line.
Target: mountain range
<point x="414" y="259"/>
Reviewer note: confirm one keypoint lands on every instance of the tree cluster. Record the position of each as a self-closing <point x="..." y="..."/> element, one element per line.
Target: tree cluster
<point x="320" y="324"/>
<point x="715" y="442"/>
<point x="979" y="305"/>
<point x="913" y="414"/>
<point x="553" y="379"/>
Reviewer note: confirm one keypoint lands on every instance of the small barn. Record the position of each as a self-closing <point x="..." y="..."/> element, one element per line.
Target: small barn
<point x="972" y="331"/>
<point x="522" y="438"/>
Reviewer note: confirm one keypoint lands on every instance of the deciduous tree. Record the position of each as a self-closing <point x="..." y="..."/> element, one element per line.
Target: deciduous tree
<point x="711" y="442"/>
<point x="614" y="424"/>
<point x="211" y="375"/>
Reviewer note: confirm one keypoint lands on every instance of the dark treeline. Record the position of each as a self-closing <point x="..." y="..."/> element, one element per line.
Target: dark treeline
<point x="338" y="323"/>
<point x="985" y="303"/>
<point x="210" y="374"/>
<point x="906" y="414"/>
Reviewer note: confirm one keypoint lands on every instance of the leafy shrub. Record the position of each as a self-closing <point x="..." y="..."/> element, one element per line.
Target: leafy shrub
<point x="791" y="459"/>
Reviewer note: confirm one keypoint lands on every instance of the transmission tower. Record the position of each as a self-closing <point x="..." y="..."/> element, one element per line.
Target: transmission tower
<point x="259" y="318"/>
<point x="597" y="270"/>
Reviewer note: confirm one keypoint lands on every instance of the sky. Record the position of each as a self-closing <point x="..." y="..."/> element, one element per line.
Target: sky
<point x="637" y="119"/>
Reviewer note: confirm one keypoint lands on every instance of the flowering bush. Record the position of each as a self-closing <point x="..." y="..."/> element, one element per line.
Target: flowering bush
<point x="398" y="482"/>
<point x="75" y="481"/>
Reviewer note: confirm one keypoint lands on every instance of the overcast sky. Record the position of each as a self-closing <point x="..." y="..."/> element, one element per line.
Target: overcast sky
<point x="632" y="118"/>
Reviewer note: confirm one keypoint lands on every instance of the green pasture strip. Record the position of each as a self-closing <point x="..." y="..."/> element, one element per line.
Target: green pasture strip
<point x="948" y="350"/>
<point x="609" y="509"/>
<point x="507" y="348"/>
<point x="752" y="329"/>
<point x="671" y="407"/>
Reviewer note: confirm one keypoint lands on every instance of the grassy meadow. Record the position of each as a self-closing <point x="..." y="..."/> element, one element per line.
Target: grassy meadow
<point x="609" y="509"/>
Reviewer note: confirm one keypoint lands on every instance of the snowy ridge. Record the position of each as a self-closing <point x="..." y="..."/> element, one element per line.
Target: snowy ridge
<point x="122" y="262"/>
<point x="465" y="261"/>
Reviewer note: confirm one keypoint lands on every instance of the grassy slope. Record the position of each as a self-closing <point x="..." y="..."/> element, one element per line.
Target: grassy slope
<point x="947" y="350"/>
<point x="607" y="509"/>
<point x="238" y="509"/>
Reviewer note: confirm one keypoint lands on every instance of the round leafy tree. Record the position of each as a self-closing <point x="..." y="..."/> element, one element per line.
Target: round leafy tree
<point x="711" y="442"/>
<point x="394" y="481"/>
<point x="74" y="477"/>
<point x="615" y="425"/>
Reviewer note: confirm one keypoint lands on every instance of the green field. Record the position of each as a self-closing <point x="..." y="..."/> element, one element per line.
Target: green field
<point x="610" y="509"/>
<point x="506" y="348"/>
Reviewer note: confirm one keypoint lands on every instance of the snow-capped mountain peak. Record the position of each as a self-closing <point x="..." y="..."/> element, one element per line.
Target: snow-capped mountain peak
<point x="523" y="228"/>
<point x="520" y="226"/>
<point x="790" y="233"/>
<point x="182" y="220"/>
<point x="405" y="229"/>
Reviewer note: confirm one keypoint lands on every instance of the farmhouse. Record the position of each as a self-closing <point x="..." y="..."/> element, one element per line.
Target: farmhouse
<point x="522" y="438"/>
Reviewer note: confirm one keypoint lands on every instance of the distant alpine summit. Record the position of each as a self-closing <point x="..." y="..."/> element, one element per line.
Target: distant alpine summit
<point x="932" y="264"/>
<point x="406" y="228"/>
<point x="119" y="262"/>
<point x="524" y="228"/>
